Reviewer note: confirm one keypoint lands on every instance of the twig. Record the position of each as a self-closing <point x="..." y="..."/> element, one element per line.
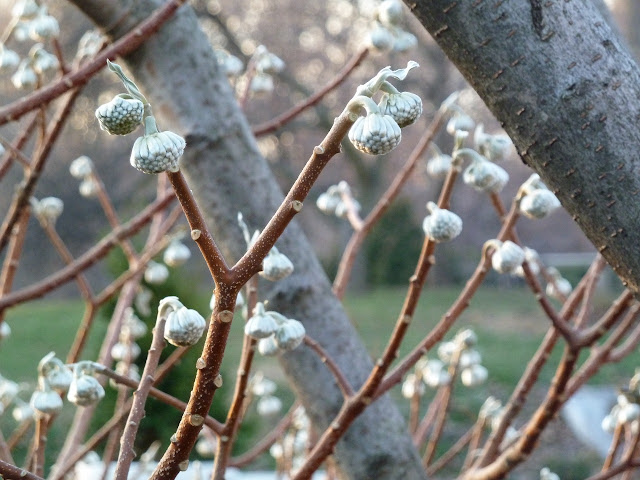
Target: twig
<point x="420" y="435"/>
<point x="15" y="153"/>
<point x="282" y="119"/>
<point x="12" y="260"/>
<point x="343" y="383"/>
<point x="613" y="448"/>
<point x="39" y="443"/>
<point x="9" y="471"/>
<point x="19" y="142"/>
<point x="450" y="454"/>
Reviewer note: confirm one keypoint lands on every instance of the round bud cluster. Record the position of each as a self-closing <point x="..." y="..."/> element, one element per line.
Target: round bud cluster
<point x="276" y="266"/>
<point x="157" y="152"/>
<point x="558" y="287"/>
<point x="176" y="254"/>
<point x="483" y="175"/>
<point x="275" y="331"/>
<point x="85" y="389"/>
<point x="387" y="32"/>
<point x="375" y="134"/>
<point x="537" y="200"/>
<point x="441" y="225"/>
<point x="120" y="116"/>
<point x="183" y="326"/>
<point x="507" y="256"/>
<point x="494" y="147"/>
<point x="331" y="202"/>
<point x="403" y="107"/>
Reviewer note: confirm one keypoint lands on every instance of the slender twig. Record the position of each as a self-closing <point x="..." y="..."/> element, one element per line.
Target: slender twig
<point x="15" y="153"/>
<point x="12" y="260"/>
<point x="450" y="454"/>
<point x="420" y="435"/>
<point x="19" y="142"/>
<point x="282" y="119"/>
<point x="19" y="433"/>
<point x="126" y="44"/>
<point x="626" y="348"/>
<point x="5" y="451"/>
<point x="39" y="443"/>
<point x="11" y="471"/>
<point x="613" y="448"/>
<point x="343" y="383"/>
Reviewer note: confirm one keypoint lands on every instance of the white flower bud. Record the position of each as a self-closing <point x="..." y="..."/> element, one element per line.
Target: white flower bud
<point x="43" y="27"/>
<point x="120" y="116"/>
<point x="609" y="423"/>
<point x="21" y="31"/>
<point x="546" y="474"/>
<point x="48" y="209"/>
<point x="268" y="346"/>
<point x="438" y="166"/>
<point x="89" y="43"/>
<point x="263" y="386"/>
<point x="539" y="203"/>
<point x="126" y="369"/>
<point x="136" y="327"/>
<point x="142" y="301"/>
<point x="466" y="338"/>
<point x="404" y="107"/>
<point x="88" y="187"/>
<point x="490" y="408"/>
<point x="81" y="167"/>
<point x="5" y="330"/>
<point x="85" y="389"/>
<point x="25" y="9"/>
<point x="157" y="152"/>
<point x="57" y="375"/>
<point x="276" y="451"/>
<point x="176" y="254"/>
<point x="328" y="201"/>
<point x="23" y="412"/>
<point x="261" y="83"/>
<point x="290" y="334"/>
<point x="381" y="39"/>
<point x="442" y="225"/>
<point x="474" y="375"/>
<point x="507" y="257"/>
<point x="404" y="41"/>
<point x="45" y="401"/>
<point x="412" y="387"/>
<point x="390" y="12"/>
<point x="25" y="77"/>
<point x="231" y="64"/>
<point x="484" y="175"/>
<point x="8" y="391"/>
<point x="436" y="379"/>
<point x="460" y="121"/>
<point x="532" y="258"/>
<point x="125" y="351"/>
<point x="628" y="413"/>
<point x="156" y="273"/>
<point x="558" y="289"/>
<point x="184" y="326"/>
<point x="469" y="358"/>
<point x="375" y="134"/>
<point x="494" y="147"/>
<point x="268" y="406"/>
<point x="8" y="59"/>
<point x="267" y="62"/>
<point x="276" y="266"/>
<point x="446" y="351"/>
<point x="261" y="324"/>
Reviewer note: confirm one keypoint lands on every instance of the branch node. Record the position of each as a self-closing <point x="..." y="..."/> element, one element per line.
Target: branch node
<point x="225" y="316"/>
<point x="195" y="234"/>
<point x="297" y="204"/>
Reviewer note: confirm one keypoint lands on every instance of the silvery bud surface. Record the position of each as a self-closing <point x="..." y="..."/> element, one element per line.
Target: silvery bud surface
<point x="25" y="9"/>
<point x="609" y="422"/>
<point x="466" y="338"/>
<point x="85" y="389"/>
<point x="404" y="107"/>
<point x="268" y="346"/>
<point x="157" y="152"/>
<point x="8" y="59"/>
<point x="469" y="357"/>
<point x="88" y="187"/>
<point x="290" y="334"/>
<point x="559" y="289"/>
<point x="125" y="351"/>
<point x="156" y="273"/>
<point x="494" y="147"/>
<point x="404" y="41"/>
<point x="46" y="401"/>
<point x="507" y="257"/>
<point x="184" y="327"/>
<point x="446" y="350"/>
<point x="490" y="408"/>
<point x="267" y="62"/>
<point x="136" y="327"/>
<point x="474" y="375"/>
<point x="412" y="386"/>
<point x="48" y="209"/>
<point x="439" y="166"/>
<point x="381" y="38"/>
<point x="436" y="379"/>
<point x="23" y="412"/>
<point x="539" y="203"/>
<point x="441" y="225"/>
<point x="81" y="167"/>
<point x="5" y="330"/>
<point x="89" y="43"/>
<point x="532" y="258"/>
<point x="120" y="116"/>
<point x="25" y="77"/>
<point x="460" y="121"/>
<point x="43" y="27"/>
<point x="485" y="176"/>
<point x="546" y="474"/>
<point x="261" y="83"/>
<point x="261" y="324"/>
<point x="8" y="391"/>
<point x="263" y="386"/>
<point x="276" y="266"/>
<point x="328" y="201"/>
<point x="390" y="12"/>
<point x="231" y="64"/>
<point x="176" y="254"/>
<point x="268" y="406"/>
<point x="375" y="134"/>
<point x="56" y="374"/>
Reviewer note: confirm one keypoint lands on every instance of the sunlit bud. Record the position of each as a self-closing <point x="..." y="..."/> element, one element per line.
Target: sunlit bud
<point x="22" y="412"/>
<point x="404" y="41"/>
<point x="628" y="413"/>
<point x="290" y="334"/>
<point x="268" y="406"/>
<point x="276" y="266"/>
<point x="446" y="350"/>
<point x="8" y="391"/>
<point x="441" y="225"/>
<point x="231" y="64"/>
<point x="8" y="59"/>
<point x="539" y="203"/>
<point x="25" y="77"/>
<point x="21" y="31"/>
<point x="81" y="167"/>
<point x="437" y="378"/>
<point x="494" y="147"/>
<point x="48" y="209"/>
<point x="532" y="258"/>
<point x="267" y="62"/>
<point x="474" y="375"/>
<point x="263" y="386"/>
<point x="390" y="12"/>
<point x="469" y="358"/>
<point x="438" y="166"/>
<point x="156" y="273"/>
<point x="460" y="121"/>
<point x="484" y="175"/>
<point x="404" y="107"/>
<point x="609" y="422"/>
<point x="5" y="330"/>
<point x="57" y="375"/>
<point x="136" y="327"/>
<point x="507" y="257"/>
<point x="261" y="324"/>
<point x="546" y="474"/>
<point x="157" y="152"/>
<point x="381" y="39"/>
<point x="412" y="387"/>
<point x="466" y="338"/>
<point x="120" y="116"/>
<point x="490" y="408"/>
<point x="45" y="401"/>
<point x="89" y="43"/>
<point x="176" y="254"/>
<point x="126" y="369"/>
<point x="142" y="302"/>
<point x="126" y="351"/>
<point x="328" y="201"/>
<point x="560" y="288"/>
<point x="88" y="187"/>
<point x="184" y="326"/>
<point x="375" y="134"/>
<point x="268" y="346"/>
<point x="25" y="9"/>
<point x="85" y="389"/>
<point x="276" y="451"/>
<point x="261" y="83"/>
<point x="43" y="27"/>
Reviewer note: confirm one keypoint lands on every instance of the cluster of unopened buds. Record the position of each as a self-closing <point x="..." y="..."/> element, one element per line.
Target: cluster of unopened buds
<point x="290" y="451"/>
<point x="82" y="168"/>
<point x="264" y="389"/>
<point x="387" y="33"/>
<point x="47" y="210"/>
<point x="536" y="200"/>
<point x="183" y="326"/>
<point x="626" y="411"/>
<point x="265" y="65"/>
<point x="491" y="415"/>
<point x="457" y="356"/>
<point x="275" y="332"/>
<point x="332" y="202"/>
<point x="155" y="151"/>
<point x="441" y="225"/>
<point x="126" y="350"/>
<point x="379" y="131"/>
<point x="30" y="20"/>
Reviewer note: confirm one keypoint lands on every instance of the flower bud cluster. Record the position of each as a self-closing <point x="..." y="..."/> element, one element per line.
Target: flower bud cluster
<point x="481" y="174"/>
<point x="275" y="332"/>
<point x="264" y="389"/>
<point x="332" y="202"/>
<point x="494" y="147"/>
<point x="291" y="450"/>
<point x="183" y="326"/>
<point x="47" y="210"/>
<point x="558" y="287"/>
<point x="387" y="32"/>
<point x="507" y="256"/>
<point x="82" y="168"/>
<point x="626" y="412"/>
<point x="85" y="389"/>
<point x="537" y="201"/>
<point x="8" y="393"/>
<point x="441" y="225"/>
<point x="266" y="64"/>
<point x="276" y="266"/>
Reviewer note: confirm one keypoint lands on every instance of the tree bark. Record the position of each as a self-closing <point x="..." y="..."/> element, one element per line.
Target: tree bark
<point x="177" y="71"/>
<point x="567" y="92"/>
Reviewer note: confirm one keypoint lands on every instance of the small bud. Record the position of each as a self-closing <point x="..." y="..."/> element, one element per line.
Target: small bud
<point x="135" y="327"/>
<point x="539" y="203"/>
<point x="474" y="375"/>
<point x="494" y="147"/>
<point x="8" y="59"/>
<point x="262" y="386"/>
<point x="532" y="258"/>
<point x="276" y="266"/>
<point x="261" y="83"/>
<point x="25" y="77"/>
<point x="88" y="187"/>
<point x="231" y="64"/>
<point x="89" y="43"/>
<point x="48" y="209"/>
<point x="404" y="107"/>
<point x="8" y="391"/>
<point x="381" y="39"/>
<point x="183" y="326"/>
<point x="22" y="412"/>
<point x="460" y="121"/>
<point x="156" y="273"/>
<point x="375" y="134"/>
<point x="261" y="324"/>
<point x="125" y="351"/>
<point x="25" y="9"/>
<point x="267" y="62"/>
<point x="156" y="152"/>
<point x="328" y="201"/>
<point x="404" y="41"/>
<point x="390" y="12"/>
<point x="85" y="389"/>
<point x="120" y="116"/>
<point x="411" y="387"/>
<point x="81" y="167"/>
<point x="490" y="408"/>
<point x="126" y="369"/>
<point x="442" y="225"/>
<point x="43" y="27"/>
<point x="507" y="258"/>
<point x="469" y="358"/>
<point x="43" y="61"/>
<point x="57" y="375"/>
<point x="268" y="406"/>
<point x="290" y="334"/>
<point x="438" y="166"/>
<point x="5" y="330"/>
<point x="559" y="289"/>
<point x="484" y="175"/>
<point x="45" y="401"/>
<point x="176" y="254"/>
<point x="268" y="346"/>
<point x="546" y="474"/>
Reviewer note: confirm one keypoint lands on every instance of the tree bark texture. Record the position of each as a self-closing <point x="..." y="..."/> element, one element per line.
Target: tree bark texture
<point x="567" y="92"/>
<point x="177" y="71"/>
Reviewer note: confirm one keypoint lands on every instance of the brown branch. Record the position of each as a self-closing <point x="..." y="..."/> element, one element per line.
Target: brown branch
<point x="9" y="471"/>
<point x="450" y="454"/>
<point x="125" y="45"/>
<point x="420" y="435"/>
<point x="343" y="383"/>
<point x="284" y="118"/>
<point x="20" y="141"/>
<point x="15" y="153"/>
<point x="39" y="443"/>
<point x="12" y="260"/>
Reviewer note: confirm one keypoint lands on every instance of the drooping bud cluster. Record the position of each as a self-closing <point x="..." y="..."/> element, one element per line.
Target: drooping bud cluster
<point x="537" y="200"/>
<point x="85" y="389"/>
<point x="493" y="147"/>
<point x="266" y="64"/>
<point x="507" y="257"/>
<point x="387" y="32"/>
<point x="275" y="332"/>
<point x="47" y="210"/>
<point x="626" y="412"/>
<point x="441" y="225"/>
<point x="263" y="388"/>
<point x="276" y="266"/>
<point x="120" y="116"/>
<point x="558" y="287"/>
<point x="439" y="164"/>
<point x="176" y="254"/>
<point x="481" y="174"/>
<point x="379" y="131"/>
<point x="332" y="202"/>
<point x="231" y="64"/>
<point x="184" y="326"/>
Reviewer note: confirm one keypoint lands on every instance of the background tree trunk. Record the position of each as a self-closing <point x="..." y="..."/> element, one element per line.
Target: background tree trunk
<point x="567" y="92"/>
<point x="177" y="71"/>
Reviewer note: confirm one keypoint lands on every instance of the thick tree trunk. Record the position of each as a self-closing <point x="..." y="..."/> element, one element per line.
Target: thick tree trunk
<point x="176" y="69"/>
<point x="567" y="92"/>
